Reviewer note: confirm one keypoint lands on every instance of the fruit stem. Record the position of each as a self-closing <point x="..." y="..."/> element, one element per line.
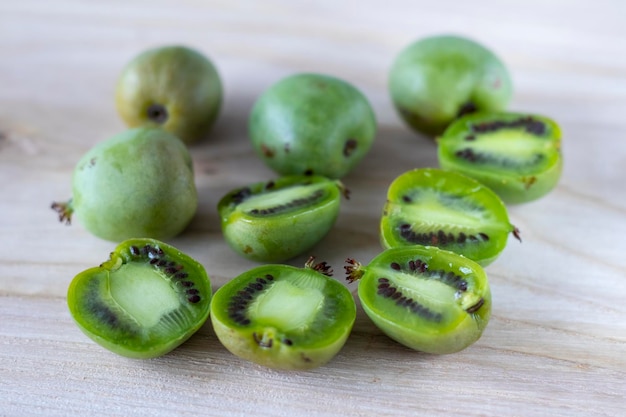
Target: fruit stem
<point x="517" y="233"/>
<point x="321" y="267"/>
<point x="354" y="271"/>
<point x="64" y="211"/>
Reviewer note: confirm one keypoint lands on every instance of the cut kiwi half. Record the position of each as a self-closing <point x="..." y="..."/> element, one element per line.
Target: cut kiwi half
<point x="284" y="317"/>
<point x="516" y="155"/>
<point x="146" y="300"/>
<point x="434" y="207"/>
<point x="276" y="220"/>
<point x="425" y="298"/>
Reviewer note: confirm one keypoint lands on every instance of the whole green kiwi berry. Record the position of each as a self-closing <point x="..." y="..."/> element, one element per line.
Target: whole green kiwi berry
<point x="273" y="221"/>
<point x="436" y="79"/>
<point x="516" y="155"/>
<point x="173" y="87"/>
<point x="435" y="207"/>
<point x="284" y="317"/>
<point x="312" y="124"/>
<point x="146" y="300"/>
<point x="138" y="183"/>
<point x="425" y="298"/>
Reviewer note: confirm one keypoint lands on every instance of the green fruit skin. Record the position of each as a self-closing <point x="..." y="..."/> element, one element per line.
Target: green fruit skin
<point x="513" y="186"/>
<point x="138" y="183"/>
<point x="129" y="342"/>
<point x="239" y="339"/>
<point x="182" y="80"/>
<point x="279" y="238"/>
<point x="458" y="184"/>
<point x="458" y="334"/>
<point x="304" y="122"/>
<point x="433" y="78"/>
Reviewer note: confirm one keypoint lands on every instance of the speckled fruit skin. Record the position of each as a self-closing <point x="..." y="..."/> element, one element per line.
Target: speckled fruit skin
<point x="435" y="79"/>
<point x="138" y="183"/>
<point x="182" y="80"/>
<point x="312" y="124"/>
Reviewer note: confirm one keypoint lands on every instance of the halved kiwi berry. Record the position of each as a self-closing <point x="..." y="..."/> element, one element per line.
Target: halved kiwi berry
<point x="284" y="317"/>
<point x="433" y="207"/>
<point x="425" y="298"/>
<point x="516" y="155"/>
<point x="276" y="220"/>
<point x="143" y="302"/>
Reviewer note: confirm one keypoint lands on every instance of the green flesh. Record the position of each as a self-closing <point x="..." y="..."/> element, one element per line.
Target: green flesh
<point x="518" y="164"/>
<point x="448" y="210"/>
<point x="456" y="316"/>
<point x="278" y="220"/>
<point x="300" y="318"/>
<point x="312" y="123"/>
<point x="140" y="309"/>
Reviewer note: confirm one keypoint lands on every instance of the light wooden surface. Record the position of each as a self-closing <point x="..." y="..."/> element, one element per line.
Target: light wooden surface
<point x="556" y="344"/>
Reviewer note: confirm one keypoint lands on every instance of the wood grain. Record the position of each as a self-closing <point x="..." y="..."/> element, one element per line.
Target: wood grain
<point x="556" y="344"/>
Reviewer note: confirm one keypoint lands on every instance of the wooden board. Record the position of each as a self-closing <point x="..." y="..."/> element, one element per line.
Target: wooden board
<point x="556" y="344"/>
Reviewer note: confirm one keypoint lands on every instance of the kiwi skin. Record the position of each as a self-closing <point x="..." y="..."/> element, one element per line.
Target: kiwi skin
<point x="266" y="344"/>
<point x="462" y="325"/>
<point x="436" y="79"/>
<point x="96" y="312"/>
<point x="173" y="87"/>
<point x="535" y="133"/>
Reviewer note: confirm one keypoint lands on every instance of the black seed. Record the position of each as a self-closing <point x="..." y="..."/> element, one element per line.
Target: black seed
<point x="250" y="290"/>
<point x="412" y="265"/>
<point x="162" y="262"/>
<point x="187" y="283"/>
<point x="261" y="281"/>
<point x="476" y="306"/>
<point x="256" y="286"/>
<point x="388" y="292"/>
<point x="181" y="275"/>
<point x="154" y="261"/>
<point x="473" y="238"/>
<point x="287" y="342"/>
<point x="192" y="291"/>
<point x="395" y="265"/>
<point x="484" y="236"/>
<point x="406" y="199"/>
<point x="441" y="235"/>
<point x="170" y="270"/>
<point x="269" y="277"/>
<point x="405" y="226"/>
<point x="462" y="237"/>
<point x="254" y="211"/>
<point x="470" y="137"/>
<point x="396" y="295"/>
<point x="134" y="250"/>
<point x="270" y="184"/>
<point x="308" y="172"/>
<point x="193" y="298"/>
<point x="383" y="280"/>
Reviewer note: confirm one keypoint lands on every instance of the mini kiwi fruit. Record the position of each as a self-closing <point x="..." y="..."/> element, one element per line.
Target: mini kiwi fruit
<point x="435" y="207"/>
<point x="144" y="301"/>
<point x="174" y="87"/>
<point x="312" y="123"/>
<point x="138" y="183"/>
<point x="438" y="78"/>
<point x="425" y="298"/>
<point x="275" y="220"/>
<point x="284" y="317"/>
<point x="517" y="155"/>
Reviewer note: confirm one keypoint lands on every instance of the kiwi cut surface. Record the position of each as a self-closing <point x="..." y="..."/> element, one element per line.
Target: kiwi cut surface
<point x="284" y="317"/>
<point x="143" y="302"/>
<point x="516" y="155"/>
<point x="277" y="220"/>
<point x="433" y="207"/>
<point x="425" y="298"/>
